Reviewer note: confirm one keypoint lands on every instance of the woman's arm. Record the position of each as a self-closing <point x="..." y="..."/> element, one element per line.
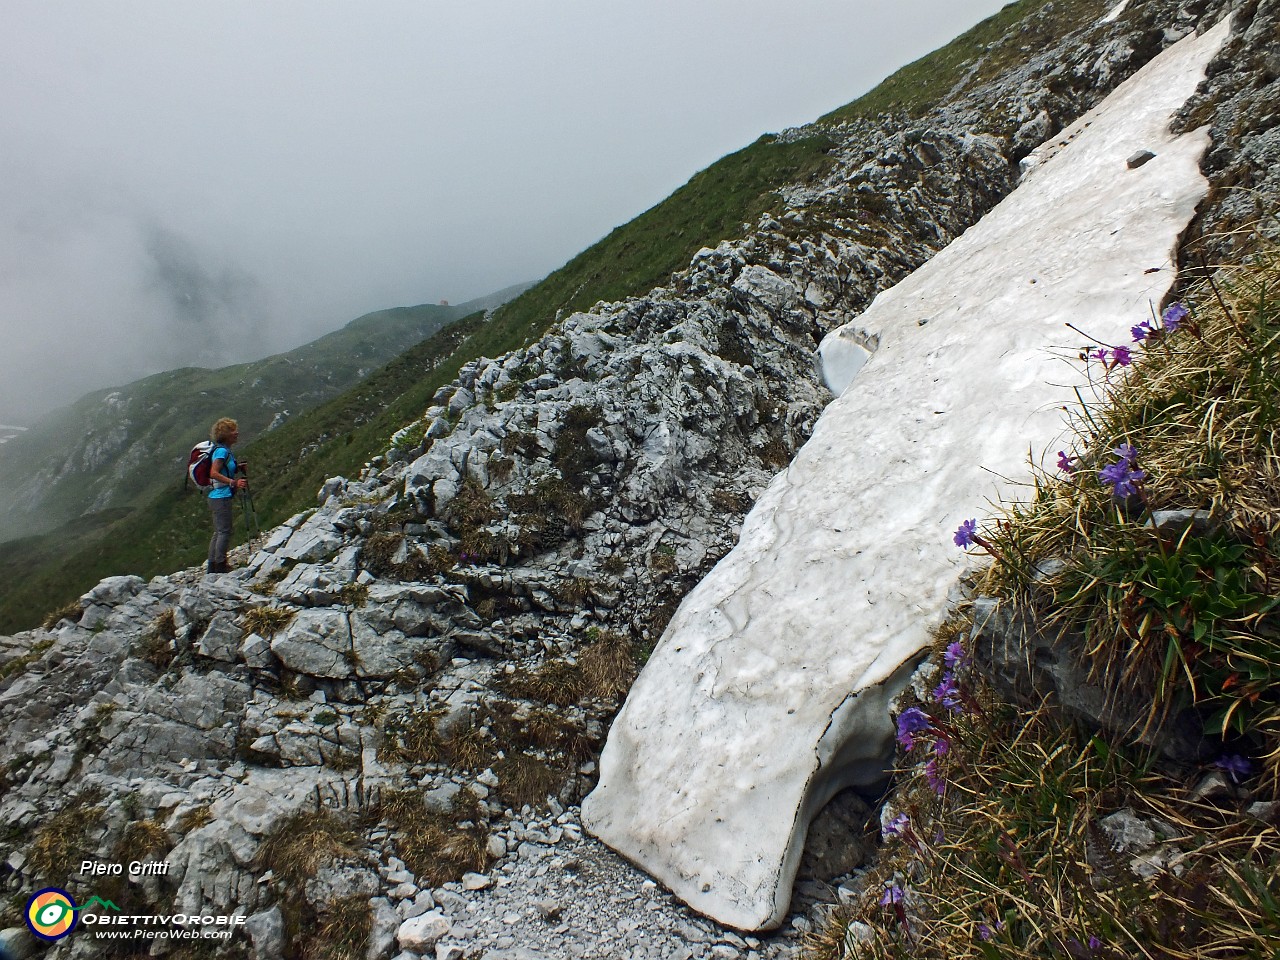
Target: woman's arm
<point x="216" y="474"/>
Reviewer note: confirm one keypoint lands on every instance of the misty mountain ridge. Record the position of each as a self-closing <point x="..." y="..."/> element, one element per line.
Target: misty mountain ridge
<point x="115" y="447"/>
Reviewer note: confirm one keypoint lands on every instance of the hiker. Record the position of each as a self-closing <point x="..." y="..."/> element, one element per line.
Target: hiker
<point x="222" y="474"/>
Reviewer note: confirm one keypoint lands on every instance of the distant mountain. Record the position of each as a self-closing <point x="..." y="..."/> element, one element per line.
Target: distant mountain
<point x="116" y="448"/>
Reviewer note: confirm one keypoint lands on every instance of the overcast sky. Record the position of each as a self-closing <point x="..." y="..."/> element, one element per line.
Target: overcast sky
<point x="203" y="183"/>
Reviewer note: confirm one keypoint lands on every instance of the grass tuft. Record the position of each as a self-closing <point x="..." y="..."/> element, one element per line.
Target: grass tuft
<point x="437" y="847"/>
<point x="267" y="621"/>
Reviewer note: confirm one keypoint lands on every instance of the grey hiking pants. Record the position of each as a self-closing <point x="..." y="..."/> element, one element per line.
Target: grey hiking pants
<point x="221" y="510"/>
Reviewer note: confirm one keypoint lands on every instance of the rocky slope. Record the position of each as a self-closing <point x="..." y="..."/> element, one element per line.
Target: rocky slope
<point x="379" y="726"/>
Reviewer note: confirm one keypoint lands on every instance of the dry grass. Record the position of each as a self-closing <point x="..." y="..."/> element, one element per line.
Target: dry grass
<point x="195" y="818"/>
<point x="165" y="623"/>
<point x="266" y="620"/>
<point x="143" y="840"/>
<point x="304" y="843"/>
<point x="604" y="670"/>
<point x="437" y="847"/>
<point x="412" y="737"/>
<point x="69" y="611"/>
<point x="341" y="932"/>
<point x="608" y="665"/>
<point x="529" y="779"/>
<point x="558" y="682"/>
<point x="22" y="661"/>
<point x="60" y="844"/>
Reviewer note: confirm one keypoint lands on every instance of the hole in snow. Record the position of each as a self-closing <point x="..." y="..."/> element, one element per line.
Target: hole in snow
<point x="842" y="355"/>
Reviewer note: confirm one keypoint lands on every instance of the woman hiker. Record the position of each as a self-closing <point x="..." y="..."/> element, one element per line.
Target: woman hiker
<point x="222" y="473"/>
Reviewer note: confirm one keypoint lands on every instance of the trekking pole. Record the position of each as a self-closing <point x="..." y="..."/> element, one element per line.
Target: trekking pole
<point x="247" y="505"/>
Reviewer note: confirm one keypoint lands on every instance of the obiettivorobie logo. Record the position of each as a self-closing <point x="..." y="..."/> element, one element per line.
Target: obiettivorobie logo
<point x="52" y="914"/>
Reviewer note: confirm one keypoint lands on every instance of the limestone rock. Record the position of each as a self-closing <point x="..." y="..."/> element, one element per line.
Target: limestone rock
<point x="317" y="643"/>
<point x="267" y="934"/>
<point x="421" y="934"/>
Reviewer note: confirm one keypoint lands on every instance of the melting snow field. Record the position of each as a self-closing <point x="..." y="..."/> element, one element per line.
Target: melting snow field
<point x="769" y="690"/>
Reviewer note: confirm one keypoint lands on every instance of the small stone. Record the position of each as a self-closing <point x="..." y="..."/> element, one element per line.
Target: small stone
<point x="449" y="951"/>
<point x="860" y="933"/>
<point x="1127" y="831"/>
<point x="421" y="934"/>
<point x="496" y="847"/>
<point x="1265" y="810"/>
<point x="17" y="944"/>
<point x="549" y="910"/>
<point x="267" y="934"/>
<point x="1214" y="786"/>
<point x="1138" y="159"/>
<point x="475" y="881"/>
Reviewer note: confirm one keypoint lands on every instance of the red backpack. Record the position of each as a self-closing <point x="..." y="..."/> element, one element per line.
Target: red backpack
<point x="200" y="463"/>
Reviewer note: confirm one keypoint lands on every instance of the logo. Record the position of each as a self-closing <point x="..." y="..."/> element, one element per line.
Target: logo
<point x="51" y="914"/>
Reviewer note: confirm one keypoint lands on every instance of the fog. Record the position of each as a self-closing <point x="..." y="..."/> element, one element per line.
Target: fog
<point x="199" y="184"/>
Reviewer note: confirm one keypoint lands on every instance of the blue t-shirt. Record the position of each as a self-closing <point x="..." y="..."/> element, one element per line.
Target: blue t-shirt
<point x="221" y="491"/>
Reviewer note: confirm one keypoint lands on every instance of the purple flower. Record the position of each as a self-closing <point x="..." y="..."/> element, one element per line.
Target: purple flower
<point x="1126" y="452"/>
<point x="1123" y="356"/>
<point x="892" y="895"/>
<point x="1141" y="331"/>
<point x="965" y="533"/>
<point x="954" y="656"/>
<point x="942" y="746"/>
<point x="1234" y="764"/>
<point x="986" y="933"/>
<point x="936" y="779"/>
<point x="1065" y="463"/>
<point x="1122" y="478"/>
<point x="1173" y="316"/>
<point x="896" y="826"/>
<point x="1097" y="353"/>
<point x="911" y="721"/>
<point x="1094" y="942"/>
<point x="947" y="693"/>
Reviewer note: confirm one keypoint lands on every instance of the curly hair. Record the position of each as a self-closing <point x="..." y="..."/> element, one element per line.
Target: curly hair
<point x="223" y="429"/>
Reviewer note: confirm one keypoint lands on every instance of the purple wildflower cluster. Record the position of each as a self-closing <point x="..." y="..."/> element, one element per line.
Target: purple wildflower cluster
<point x="897" y="826"/>
<point x="986" y="932"/>
<point x="1123" y="476"/>
<point x="914" y="725"/>
<point x="1112" y="357"/>
<point x="1170" y="321"/>
<point x="1236" y="766"/>
<point x="892" y="896"/>
<point x="966" y="533"/>
<point x="1122" y="356"/>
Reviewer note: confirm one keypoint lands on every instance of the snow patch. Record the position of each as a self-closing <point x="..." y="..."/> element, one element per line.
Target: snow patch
<point x="1114" y="13"/>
